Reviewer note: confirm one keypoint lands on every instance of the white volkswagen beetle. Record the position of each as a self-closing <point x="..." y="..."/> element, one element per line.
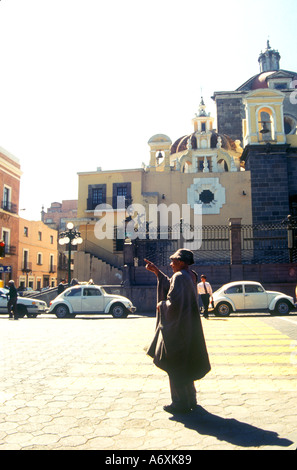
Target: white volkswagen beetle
<point x="25" y="305"/>
<point x="90" y="298"/>
<point x="250" y="296"/>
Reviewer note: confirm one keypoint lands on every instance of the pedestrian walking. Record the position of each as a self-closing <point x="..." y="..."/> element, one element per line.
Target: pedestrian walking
<point x="205" y="291"/>
<point x="12" y="297"/>
<point x="179" y="346"/>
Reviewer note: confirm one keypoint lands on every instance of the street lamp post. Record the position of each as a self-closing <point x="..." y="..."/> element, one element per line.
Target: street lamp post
<point x="71" y="237"/>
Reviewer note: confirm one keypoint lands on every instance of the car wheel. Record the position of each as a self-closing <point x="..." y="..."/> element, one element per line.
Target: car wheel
<point x="21" y="311"/>
<point x="61" y="311"/>
<point x="223" y="309"/>
<point x="282" y="307"/>
<point x="118" y="311"/>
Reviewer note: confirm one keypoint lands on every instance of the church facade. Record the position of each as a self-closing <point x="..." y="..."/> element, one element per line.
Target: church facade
<point x="244" y="171"/>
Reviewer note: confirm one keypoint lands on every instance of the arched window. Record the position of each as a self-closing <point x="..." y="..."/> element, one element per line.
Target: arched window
<point x="159" y="157"/>
<point x="222" y="165"/>
<point x="266" y="128"/>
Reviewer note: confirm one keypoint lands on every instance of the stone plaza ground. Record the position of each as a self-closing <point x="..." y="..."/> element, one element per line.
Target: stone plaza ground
<point x="87" y="384"/>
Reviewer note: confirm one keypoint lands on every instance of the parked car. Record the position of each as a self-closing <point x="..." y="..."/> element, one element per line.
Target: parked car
<point x="90" y="299"/>
<point x="26" y="306"/>
<point x="250" y="296"/>
<point x="24" y="291"/>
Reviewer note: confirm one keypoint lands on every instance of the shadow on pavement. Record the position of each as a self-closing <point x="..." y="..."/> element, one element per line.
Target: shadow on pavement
<point x="230" y="430"/>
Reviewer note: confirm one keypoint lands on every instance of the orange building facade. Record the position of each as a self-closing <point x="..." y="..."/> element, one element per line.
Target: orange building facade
<point x="38" y="254"/>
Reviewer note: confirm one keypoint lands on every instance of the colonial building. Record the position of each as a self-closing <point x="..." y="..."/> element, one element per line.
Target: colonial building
<point x="10" y="175"/>
<point x="56" y="217"/>
<point x="58" y="213"/>
<point x="242" y="173"/>
<point x="202" y="170"/>
<point x="38" y="253"/>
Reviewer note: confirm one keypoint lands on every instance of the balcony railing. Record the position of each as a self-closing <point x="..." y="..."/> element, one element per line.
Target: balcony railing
<point x="116" y="202"/>
<point x="9" y="207"/>
<point x="10" y="250"/>
<point x="52" y="268"/>
<point x="26" y="266"/>
<point x="63" y="265"/>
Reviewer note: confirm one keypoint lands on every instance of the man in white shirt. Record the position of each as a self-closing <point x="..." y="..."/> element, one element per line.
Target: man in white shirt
<point x="205" y="290"/>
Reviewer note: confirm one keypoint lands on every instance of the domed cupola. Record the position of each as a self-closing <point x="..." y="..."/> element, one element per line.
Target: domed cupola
<point x="269" y="60"/>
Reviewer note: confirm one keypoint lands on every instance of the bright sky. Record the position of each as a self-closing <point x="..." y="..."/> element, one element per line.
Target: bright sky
<point x="86" y="83"/>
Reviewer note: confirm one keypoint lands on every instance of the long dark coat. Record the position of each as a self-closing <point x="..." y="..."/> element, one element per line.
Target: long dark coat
<point x="179" y="346"/>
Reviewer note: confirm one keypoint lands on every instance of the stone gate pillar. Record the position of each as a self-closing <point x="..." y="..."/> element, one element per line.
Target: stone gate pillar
<point x="235" y="240"/>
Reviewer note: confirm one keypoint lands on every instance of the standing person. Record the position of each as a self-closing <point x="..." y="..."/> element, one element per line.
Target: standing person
<point x="61" y="286"/>
<point x="178" y="346"/>
<point x="205" y="290"/>
<point x="12" y="300"/>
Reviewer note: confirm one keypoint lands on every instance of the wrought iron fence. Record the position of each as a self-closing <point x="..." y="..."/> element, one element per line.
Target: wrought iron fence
<point x="215" y="246"/>
<point x="267" y="244"/>
<point x="259" y="244"/>
<point x="214" y="249"/>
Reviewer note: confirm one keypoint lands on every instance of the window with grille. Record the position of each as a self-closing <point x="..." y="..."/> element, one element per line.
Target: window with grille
<point x="96" y="195"/>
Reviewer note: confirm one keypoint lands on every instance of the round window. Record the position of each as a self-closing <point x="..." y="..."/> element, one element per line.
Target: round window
<point x="206" y="196"/>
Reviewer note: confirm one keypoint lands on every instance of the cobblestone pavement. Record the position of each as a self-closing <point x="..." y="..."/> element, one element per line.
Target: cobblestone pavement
<point x="86" y="383"/>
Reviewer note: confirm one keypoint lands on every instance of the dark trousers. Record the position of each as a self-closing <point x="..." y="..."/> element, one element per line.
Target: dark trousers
<point x="205" y="301"/>
<point x="12" y="305"/>
<point x="183" y="395"/>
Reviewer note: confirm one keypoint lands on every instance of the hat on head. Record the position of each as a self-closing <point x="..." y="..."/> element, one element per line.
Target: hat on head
<point x="184" y="255"/>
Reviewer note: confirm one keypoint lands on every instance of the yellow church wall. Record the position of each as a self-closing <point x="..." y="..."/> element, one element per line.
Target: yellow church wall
<point x="157" y="188"/>
<point x="168" y="188"/>
<point x="108" y="178"/>
<point x="292" y="140"/>
<point x="174" y="187"/>
<point x="88" y="219"/>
